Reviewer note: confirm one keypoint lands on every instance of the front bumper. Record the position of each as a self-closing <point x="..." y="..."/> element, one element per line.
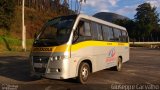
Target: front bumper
<point x="53" y="70"/>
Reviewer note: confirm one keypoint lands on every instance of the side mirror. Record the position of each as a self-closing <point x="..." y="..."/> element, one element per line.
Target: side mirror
<point x="75" y="36"/>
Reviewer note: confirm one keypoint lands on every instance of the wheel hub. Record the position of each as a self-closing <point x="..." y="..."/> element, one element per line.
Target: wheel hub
<point x="84" y="72"/>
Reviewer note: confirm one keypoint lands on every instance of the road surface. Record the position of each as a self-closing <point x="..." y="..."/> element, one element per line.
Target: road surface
<point x="142" y="69"/>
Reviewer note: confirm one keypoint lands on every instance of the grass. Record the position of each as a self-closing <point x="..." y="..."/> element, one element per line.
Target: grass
<point x="12" y="44"/>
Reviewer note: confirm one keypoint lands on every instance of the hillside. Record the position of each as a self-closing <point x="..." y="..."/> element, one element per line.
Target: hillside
<point x="34" y="20"/>
<point x="107" y="16"/>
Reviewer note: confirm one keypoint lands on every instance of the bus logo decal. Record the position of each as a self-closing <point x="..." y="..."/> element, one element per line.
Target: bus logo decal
<point x="111" y="55"/>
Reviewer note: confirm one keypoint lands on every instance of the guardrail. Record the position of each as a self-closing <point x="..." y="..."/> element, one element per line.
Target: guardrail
<point x="144" y="42"/>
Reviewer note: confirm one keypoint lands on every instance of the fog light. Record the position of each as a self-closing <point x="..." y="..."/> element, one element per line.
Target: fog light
<point x="53" y="70"/>
<point x="49" y="70"/>
<point x="58" y="70"/>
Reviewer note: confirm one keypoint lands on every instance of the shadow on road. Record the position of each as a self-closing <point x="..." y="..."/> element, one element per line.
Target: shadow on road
<point x="15" y="67"/>
<point x="18" y="68"/>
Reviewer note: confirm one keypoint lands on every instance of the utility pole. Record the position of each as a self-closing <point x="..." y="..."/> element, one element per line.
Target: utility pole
<point x="23" y="29"/>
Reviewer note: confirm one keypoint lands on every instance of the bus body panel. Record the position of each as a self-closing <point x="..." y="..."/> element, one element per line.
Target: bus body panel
<point x="56" y="69"/>
<point x="101" y="54"/>
<point x="98" y="53"/>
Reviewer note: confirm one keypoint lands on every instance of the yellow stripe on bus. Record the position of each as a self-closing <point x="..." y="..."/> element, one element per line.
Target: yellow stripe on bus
<point x="75" y="47"/>
<point x="96" y="43"/>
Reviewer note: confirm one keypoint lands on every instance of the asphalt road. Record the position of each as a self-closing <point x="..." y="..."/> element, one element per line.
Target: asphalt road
<point x="142" y="69"/>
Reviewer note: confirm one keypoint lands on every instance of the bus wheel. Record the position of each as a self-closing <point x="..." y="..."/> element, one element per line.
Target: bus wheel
<point x="83" y="73"/>
<point x="118" y="67"/>
<point x="119" y="64"/>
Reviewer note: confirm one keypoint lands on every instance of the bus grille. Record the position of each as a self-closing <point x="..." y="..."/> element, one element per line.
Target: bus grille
<point x="43" y="60"/>
<point x="37" y="59"/>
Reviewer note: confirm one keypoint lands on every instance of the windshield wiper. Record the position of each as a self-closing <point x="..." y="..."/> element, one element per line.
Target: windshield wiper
<point x="44" y="43"/>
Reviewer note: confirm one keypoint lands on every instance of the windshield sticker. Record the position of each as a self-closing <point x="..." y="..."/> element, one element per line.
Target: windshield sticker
<point x="42" y="49"/>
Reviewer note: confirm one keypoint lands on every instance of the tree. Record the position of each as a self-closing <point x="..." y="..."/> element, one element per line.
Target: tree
<point x="147" y="19"/>
<point x="6" y="13"/>
<point x="130" y="25"/>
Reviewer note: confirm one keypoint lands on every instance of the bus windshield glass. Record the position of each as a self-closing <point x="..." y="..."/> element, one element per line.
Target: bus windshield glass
<point x="55" y="32"/>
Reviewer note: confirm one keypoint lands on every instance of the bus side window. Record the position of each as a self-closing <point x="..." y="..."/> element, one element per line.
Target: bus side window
<point x="117" y="35"/>
<point x="83" y="32"/>
<point x="87" y="29"/>
<point x="124" y="36"/>
<point x="99" y="30"/>
<point x="96" y="31"/>
<point x="107" y="33"/>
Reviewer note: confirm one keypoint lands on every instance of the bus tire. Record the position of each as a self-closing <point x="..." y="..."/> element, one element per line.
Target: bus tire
<point x="83" y="73"/>
<point x="118" y="66"/>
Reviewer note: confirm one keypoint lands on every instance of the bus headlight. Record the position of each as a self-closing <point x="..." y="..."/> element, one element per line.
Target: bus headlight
<point x="57" y="57"/>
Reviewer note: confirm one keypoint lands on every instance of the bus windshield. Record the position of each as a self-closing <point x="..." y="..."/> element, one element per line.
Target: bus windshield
<point x="55" y="32"/>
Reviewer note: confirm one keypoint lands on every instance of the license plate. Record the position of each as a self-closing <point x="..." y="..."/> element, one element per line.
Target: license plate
<point x="38" y="65"/>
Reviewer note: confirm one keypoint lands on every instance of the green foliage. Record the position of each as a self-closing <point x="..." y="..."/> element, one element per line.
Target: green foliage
<point x="6" y="13"/>
<point x="145" y="24"/>
<point x="130" y="25"/>
<point x="147" y="19"/>
<point x="37" y="12"/>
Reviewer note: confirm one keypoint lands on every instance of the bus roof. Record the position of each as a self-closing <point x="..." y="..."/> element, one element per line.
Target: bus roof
<point x="100" y="21"/>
